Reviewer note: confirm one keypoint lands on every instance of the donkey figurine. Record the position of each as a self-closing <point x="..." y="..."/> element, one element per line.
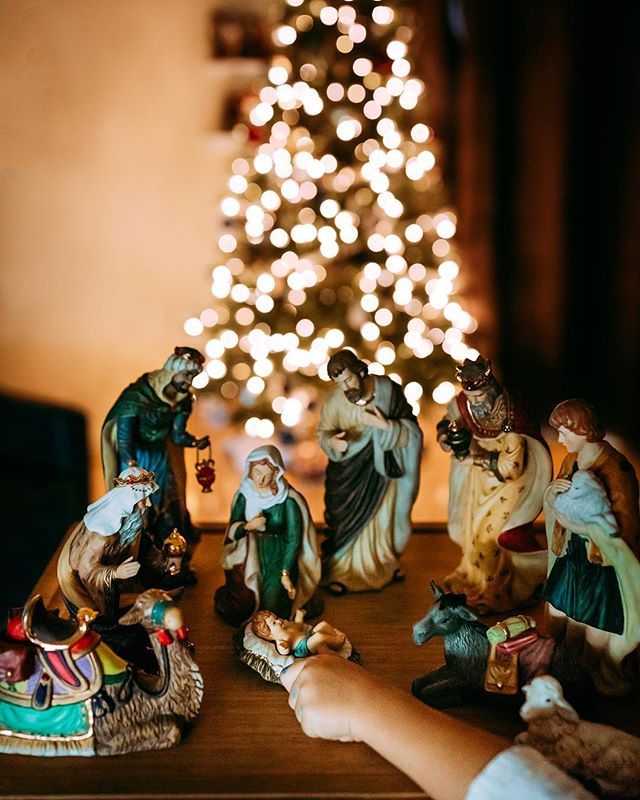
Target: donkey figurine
<point x="466" y="650"/>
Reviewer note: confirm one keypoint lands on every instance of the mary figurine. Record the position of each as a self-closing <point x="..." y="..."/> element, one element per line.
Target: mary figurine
<point x="269" y="555"/>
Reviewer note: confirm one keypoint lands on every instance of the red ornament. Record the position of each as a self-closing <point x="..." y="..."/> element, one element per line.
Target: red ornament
<point x="205" y="472"/>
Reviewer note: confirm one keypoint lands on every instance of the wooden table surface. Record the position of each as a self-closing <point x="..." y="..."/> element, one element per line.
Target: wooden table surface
<point x="246" y="742"/>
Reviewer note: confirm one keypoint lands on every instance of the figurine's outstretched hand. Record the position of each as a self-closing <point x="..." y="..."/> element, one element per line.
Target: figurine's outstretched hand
<point x="128" y="569"/>
<point x="203" y="442"/>
<point x="338" y="443"/>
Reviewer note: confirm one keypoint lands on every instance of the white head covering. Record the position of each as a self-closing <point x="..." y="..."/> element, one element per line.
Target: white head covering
<point x="106" y="514"/>
<point x="257" y="501"/>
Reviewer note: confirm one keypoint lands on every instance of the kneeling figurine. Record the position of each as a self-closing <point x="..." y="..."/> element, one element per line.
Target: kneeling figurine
<point x="269" y="554"/>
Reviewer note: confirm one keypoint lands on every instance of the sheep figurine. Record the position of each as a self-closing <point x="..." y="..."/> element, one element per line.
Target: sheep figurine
<point x="585" y="749"/>
<point x="585" y="505"/>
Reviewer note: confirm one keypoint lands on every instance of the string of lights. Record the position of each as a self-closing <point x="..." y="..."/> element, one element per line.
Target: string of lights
<point x="337" y="232"/>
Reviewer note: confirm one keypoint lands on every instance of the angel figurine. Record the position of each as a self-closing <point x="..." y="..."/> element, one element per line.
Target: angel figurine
<point x="270" y="554"/>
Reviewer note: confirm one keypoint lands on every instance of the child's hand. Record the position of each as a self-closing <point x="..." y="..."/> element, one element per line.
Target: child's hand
<point x="326" y="693"/>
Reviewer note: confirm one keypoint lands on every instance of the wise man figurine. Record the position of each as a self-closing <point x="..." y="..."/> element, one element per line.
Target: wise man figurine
<point x="146" y="427"/>
<point x="108" y="557"/>
<point x="103" y="554"/>
<point x="500" y="468"/>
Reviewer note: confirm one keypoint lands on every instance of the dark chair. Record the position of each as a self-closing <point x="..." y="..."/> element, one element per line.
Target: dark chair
<point x="43" y="489"/>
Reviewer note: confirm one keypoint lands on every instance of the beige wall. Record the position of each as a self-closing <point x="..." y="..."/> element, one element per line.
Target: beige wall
<point x="107" y="194"/>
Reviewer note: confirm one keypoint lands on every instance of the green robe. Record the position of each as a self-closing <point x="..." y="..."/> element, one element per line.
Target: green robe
<point x="278" y="548"/>
<point x="152" y="432"/>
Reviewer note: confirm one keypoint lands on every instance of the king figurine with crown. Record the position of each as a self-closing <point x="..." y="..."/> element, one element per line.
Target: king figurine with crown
<point x="495" y="493"/>
<point x="105" y="552"/>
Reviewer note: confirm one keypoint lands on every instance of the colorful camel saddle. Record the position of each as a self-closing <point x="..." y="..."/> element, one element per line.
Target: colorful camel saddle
<point x="67" y="672"/>
<point x="517" y="655"/>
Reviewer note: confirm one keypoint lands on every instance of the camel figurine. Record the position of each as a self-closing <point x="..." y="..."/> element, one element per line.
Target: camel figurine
<point x="466" y="653"/>
<point x="77" y="697"/>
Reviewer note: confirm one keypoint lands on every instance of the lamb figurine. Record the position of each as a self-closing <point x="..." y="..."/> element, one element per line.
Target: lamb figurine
<point x="586" y="505"/>
<point x="585" y="749"/>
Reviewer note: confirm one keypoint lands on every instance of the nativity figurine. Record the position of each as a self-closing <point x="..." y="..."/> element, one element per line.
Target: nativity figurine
<point x="500" y="467"/>
<point x="270" y="554"/>
<point x="108" y="558"/>
<point x="146" y="427"/>
<point x="374" y="446"/>
<point x="74" y="696"/>
<point x="593" y="527"/>
<point x="269" y="645"/>
<point x="588" y="750"/>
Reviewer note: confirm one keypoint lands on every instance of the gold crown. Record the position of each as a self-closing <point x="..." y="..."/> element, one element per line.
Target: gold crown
<point x="475" y="374"/>
<point x="143" y="479"/>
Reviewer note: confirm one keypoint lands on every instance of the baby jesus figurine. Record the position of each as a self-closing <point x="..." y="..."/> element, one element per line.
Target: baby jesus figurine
<point x="295" y="638"/>
<point x="269" y="644"/>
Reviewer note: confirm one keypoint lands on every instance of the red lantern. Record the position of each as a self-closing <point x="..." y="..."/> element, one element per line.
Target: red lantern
<point x="205" y="472"/>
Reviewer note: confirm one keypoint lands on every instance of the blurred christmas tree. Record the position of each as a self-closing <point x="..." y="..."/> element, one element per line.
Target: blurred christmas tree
<point x="336" y="230"/>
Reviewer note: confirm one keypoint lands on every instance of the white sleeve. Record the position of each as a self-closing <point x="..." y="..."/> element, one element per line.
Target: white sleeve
<point x="524" y="773"/>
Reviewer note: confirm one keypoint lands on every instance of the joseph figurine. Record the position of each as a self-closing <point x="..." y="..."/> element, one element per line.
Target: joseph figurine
<point x="374" y="445"/>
